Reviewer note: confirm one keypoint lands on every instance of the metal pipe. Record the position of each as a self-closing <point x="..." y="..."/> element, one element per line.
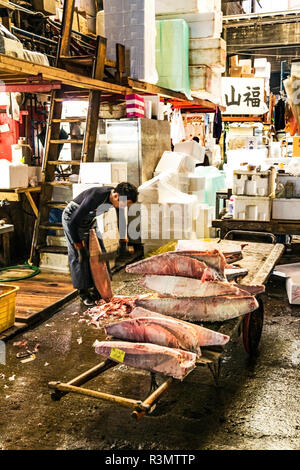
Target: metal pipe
<point x="152" y="398"/>
<point x="127" y="402"/>
<point x="33" y="36"/>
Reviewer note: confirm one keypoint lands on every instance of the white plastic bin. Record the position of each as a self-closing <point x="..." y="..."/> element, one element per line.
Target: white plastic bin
<point x="252" y="208"/>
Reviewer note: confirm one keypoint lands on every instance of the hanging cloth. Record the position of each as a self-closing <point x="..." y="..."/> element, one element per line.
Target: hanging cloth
<point x="280" y="115"/>
<point x="218" y="125"/>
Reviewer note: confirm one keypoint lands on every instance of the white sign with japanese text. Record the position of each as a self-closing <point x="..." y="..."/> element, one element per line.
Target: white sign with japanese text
<point x="244" y="95"/>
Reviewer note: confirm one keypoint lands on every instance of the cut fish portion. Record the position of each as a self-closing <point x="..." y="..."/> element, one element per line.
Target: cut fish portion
<point x="232" y="272"/>
<point x="162" y="331"/>
<point x="208" y="309"/>
<point x="214" y="259"/>
<point x="186" y="287"/>
<point x="159" y="359"/>
<point x="98" y="268"/>
<point x="205" y="336"/>
<point x="253" y="290"/>
<point x="171" y="264"/>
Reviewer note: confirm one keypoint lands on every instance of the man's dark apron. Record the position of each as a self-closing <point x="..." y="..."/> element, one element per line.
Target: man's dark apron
<point x="80" y="272"/>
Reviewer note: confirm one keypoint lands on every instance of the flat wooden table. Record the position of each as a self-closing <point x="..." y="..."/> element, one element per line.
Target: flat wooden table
<point x="278" y="227"/>
<point x="14" y="195"/>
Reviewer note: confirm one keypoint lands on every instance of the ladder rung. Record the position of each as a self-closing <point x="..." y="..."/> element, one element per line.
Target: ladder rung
<point x="57" y="205"/>
<point x="64" y="162"/>
<point x="80" y="119"/>
<point x="66" y="141"/>
<point x="59" y="183"/>
<point x="50" y="226"/>
<point x="59" y="100"/>
<point x="54" y="249"/>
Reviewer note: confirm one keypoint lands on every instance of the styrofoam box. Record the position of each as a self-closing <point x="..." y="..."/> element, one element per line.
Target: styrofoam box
<point x="293" y="290"/>
<point x="102" y="172"/>
<point x="173" y="6"/>
<point x="283" y="178"/>
<point x="35" y="171"/>
<point x="286" y="209"/>
<point x="197" y="183"/>
<point x="252" y="208"/>
<point x="80" y="187"/>
<point x="200" y="78"/>
<point x="248" y="183"/>
<point x="201" y="25"/>
<point x="178" y="161"/>
<point x="13" y="175"/>
<point x="189" y="6"/>
<point x="192" y="148"/>
<point x="210" y="52"/>
<point x="11" y="47"/>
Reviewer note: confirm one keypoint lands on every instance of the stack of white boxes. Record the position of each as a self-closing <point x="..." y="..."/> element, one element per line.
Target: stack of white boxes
<point x="207" y="60"/>
<point x="263" y="70"/>
<point x="132" y="23"/>
<point x="253" y="194"/>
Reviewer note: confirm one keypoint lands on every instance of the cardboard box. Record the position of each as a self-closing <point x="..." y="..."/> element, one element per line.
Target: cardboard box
<point x="234" y="61"/>
<point x="235" y="72"/>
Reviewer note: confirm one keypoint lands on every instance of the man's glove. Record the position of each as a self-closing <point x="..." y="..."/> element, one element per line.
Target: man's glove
<point x="81" y="251"/>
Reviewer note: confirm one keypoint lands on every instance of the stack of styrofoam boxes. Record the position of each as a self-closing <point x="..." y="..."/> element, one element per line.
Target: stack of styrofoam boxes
<point x="167" y="212"/>
<point x="108" y="226"/>
<point x="284" y="208"/>
<point x="132" y="23"/>
<point x="253" y="194"/>
<point x="103" y="173"/>
<point x="207" y="59"/>
<point x="263" y="70"/>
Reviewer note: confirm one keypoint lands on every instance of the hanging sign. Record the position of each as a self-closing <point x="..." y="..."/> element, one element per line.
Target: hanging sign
<point x="244" y="96"/>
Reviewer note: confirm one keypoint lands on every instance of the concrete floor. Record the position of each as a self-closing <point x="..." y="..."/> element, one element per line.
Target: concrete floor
<point x="256" y="407"/>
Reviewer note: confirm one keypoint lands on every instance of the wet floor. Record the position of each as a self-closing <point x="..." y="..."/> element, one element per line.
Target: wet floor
<point x="256" y="405"/>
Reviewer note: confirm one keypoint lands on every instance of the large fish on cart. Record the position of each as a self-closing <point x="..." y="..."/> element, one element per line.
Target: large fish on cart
<point x="205" y="336"/>
<point x="172" y="264"/>
<point x="159" y="359"/>
<point x="207" y="309"/>
<point x="185" y="287"/>
<point x="162" y="331"/>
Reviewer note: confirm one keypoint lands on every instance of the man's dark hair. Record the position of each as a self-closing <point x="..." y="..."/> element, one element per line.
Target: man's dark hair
<point x="128" y="190"/>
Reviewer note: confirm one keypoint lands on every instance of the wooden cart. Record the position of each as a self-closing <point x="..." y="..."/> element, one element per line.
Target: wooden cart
<point x="259" y="259"/>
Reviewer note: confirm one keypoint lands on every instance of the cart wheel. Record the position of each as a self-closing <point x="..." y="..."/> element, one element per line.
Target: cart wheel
<point x="252" y="329"/>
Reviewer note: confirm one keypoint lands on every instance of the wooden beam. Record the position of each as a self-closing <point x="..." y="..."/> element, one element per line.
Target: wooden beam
<point x="17" y="66"/>
<point x="89" y="145"/>
<point x="66" y="28"/>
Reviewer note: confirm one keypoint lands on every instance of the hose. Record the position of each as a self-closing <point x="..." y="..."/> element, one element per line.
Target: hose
<point x="35" y="270"/>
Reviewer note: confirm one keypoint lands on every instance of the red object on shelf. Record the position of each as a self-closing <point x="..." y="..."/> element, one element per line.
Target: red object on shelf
<point x="7" y="139"/>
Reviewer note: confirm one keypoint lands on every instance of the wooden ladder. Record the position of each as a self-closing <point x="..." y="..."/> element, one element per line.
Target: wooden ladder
<point x="50" y="161"/>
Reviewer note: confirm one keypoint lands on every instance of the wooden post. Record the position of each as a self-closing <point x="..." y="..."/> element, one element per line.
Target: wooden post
<point x="66" y="28"/>
<point x="89" y="145"/>
<point x="120" y="53"/>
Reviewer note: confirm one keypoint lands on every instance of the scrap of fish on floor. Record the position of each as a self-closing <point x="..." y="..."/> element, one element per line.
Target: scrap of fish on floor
<point x="118" y="307"/>
<point x="174" y="363"/>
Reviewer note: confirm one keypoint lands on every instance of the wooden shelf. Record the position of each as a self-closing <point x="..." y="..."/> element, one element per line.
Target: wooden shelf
<point x="14" y="70"/>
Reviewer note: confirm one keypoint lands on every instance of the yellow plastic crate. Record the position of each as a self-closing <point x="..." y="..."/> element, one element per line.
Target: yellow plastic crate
<point x="8" y="295"/>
